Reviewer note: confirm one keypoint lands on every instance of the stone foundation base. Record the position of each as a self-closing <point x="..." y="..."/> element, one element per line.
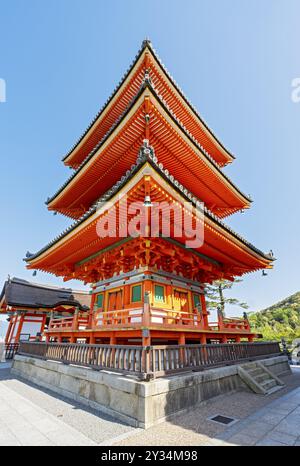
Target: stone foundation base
<point x="141" y="404"/>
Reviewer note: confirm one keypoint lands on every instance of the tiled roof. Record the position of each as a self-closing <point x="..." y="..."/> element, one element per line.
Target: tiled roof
<point x="146" y="44"/>
<point x="147" y="154"/>
<point x="19" y="292"/>
<point x="147" y="84"/>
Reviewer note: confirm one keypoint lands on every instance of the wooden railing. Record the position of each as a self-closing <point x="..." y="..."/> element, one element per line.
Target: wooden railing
<point x="155" y="316"/>
<point x="173" y="318"/>
<point x="68" y="323"/>
<point x="120" y="317"/>
<point x="236" y="323"/>
<point x="170" y="359"/>
<point x="125" y="359"/>
<point x="61" y="323"/>
<point x="152" y="361"/>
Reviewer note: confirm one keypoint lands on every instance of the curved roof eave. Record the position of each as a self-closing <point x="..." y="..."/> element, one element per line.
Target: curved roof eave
<point x="166" y="175"/>
<point x="149" y="86"/>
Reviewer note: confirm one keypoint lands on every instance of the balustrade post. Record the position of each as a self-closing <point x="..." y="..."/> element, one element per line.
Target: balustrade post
<point x="246" y="321"/>
<point x="51" y="315"/>
<point x="146" y="310"/>
<point x="91" y="312"/>
<point x="75" y="319"/>
<point x="202" y="339"/>
<point x="204" y="312"/>
<point x="181" y="342"/>
<point x="220" y="319"/>
<point x="146" y="361"/>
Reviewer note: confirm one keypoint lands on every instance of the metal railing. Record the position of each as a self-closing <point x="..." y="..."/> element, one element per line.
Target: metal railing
<point x="10" y="350"/>
<point x="151" y="361"/>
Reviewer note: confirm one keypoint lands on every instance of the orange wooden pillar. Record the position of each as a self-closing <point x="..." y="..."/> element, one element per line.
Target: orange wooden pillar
<point x="220" y="319"/>
<point x="15" y="319"/>
<point x="181" y="339"/>
<point x="75" y="319"/>
<point x="20" y="325"/>
<point x="91" y="312"/>
<point x="9" y="329"/>
<point x="238" y="339"/>
<point x="224" y="339"/>
<point x="251" y="338"/>
<point x="204" y="311"/>
<point x="202" y="339"/>
<point x="43" y="325"/>
<point x="112" y="339"/>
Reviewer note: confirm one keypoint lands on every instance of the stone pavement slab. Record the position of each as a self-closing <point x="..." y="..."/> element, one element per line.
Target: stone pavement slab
<point x="259" y="416"/>
<point x="33" y="416"/>
<point x="23" y="423"/>
<point x="278" y="423"/>
<point x="51" y="407"/>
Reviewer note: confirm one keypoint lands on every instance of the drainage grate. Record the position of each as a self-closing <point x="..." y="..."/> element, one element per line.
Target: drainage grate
<point x="220" y="419"/>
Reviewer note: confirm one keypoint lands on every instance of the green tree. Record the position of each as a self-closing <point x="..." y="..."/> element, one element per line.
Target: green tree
<point x="216" y="295"/>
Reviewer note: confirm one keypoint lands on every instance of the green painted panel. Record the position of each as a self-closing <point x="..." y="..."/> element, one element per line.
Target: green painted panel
<point x="100" y="300"/>
<point x="159" y="293"/>
<point x="197" y="301"/>
<point x="136" y="293"/>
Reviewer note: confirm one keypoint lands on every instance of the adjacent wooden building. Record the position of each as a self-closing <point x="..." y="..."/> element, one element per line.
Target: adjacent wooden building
<point x="30" y="306"/>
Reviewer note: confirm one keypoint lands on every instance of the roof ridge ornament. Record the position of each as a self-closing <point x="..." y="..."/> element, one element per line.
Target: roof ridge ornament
<point x="146" y="151"/>
<point x="146" y="42"/>
<point x="147" y="78"/>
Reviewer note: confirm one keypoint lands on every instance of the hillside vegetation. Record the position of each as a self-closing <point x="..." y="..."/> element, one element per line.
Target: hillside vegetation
<point x="282" y="320"/>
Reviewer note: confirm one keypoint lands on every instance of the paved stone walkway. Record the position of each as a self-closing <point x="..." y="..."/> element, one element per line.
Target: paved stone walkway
<point x="33" y="416"/>
<point x="23" y="423"/>
<point x="257" y="415"/>
<point x="277" y="424"/>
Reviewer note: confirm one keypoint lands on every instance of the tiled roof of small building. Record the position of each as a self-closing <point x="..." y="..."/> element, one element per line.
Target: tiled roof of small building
<point x="19" y="292"/>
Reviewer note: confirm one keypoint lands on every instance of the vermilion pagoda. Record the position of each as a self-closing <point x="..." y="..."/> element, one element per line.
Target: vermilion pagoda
<point x="148" y="145"/>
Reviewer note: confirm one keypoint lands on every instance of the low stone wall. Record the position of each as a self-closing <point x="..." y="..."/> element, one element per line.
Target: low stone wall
<point x="2" y="351"/>
<point x="137" y="403"/>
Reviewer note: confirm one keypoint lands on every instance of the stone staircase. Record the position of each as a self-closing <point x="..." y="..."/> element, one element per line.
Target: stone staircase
<point x="259" y="379"/>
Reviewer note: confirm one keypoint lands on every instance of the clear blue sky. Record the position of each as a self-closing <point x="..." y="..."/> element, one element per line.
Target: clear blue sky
<point x="234" y="59"/>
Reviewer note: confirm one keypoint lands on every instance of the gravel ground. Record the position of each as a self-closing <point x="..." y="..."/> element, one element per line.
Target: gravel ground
<point x="194" y="428"/>
<point x="96" y="426"/>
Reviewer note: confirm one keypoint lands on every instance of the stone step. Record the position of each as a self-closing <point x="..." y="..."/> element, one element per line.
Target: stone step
<point x="262" y="377"/>
<point x="268" y="384"/>
<point x="256" y="372"/>
<point x="250" y="365"/>
<point x="274" y="389"/>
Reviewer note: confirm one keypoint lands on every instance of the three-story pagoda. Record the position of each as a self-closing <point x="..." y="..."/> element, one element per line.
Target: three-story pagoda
<point x="148" y="146"/>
